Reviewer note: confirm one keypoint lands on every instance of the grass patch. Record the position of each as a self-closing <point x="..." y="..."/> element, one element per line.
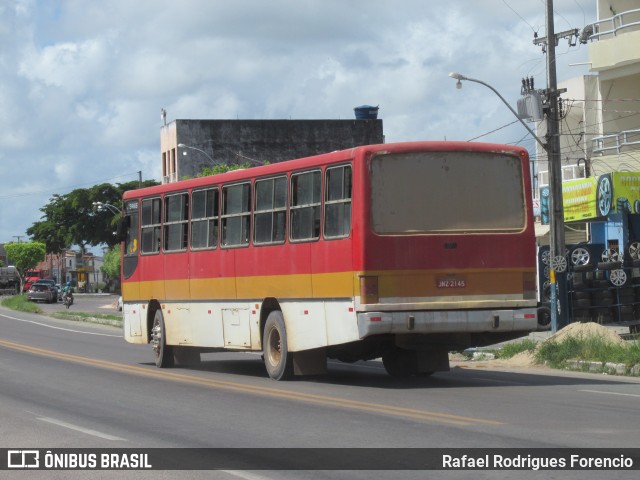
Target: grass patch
<point x="511" y="349"/>
<point x="21" y="304"/>
<point x="101" y="318"/>
<point x="591" y="348"/>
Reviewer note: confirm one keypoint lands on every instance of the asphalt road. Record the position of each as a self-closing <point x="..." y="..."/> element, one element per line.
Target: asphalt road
<point x="94" y="303"/>
<point x="65" y="384"/>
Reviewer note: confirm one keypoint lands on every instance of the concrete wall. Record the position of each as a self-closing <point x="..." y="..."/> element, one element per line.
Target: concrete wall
<point x="257" y="141"/>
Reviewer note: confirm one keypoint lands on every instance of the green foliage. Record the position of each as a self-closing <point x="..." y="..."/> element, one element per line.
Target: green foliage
<point x="25" y="256"/>
<point x="592" y="348"/>
<point x="21" y="304"/>
<point x="224" y="168"/>
<point x="111" y="266"/>
<point x="71" y="219"/>
<point x="101" y="318"/>
<point x="510" y="349"/>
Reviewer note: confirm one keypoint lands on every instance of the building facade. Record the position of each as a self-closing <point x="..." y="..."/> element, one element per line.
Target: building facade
<point x="187" y="146"/>
<point x="600" y="117"/>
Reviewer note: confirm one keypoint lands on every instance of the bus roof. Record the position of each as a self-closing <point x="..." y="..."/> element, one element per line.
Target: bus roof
<point x="323" y="159"/>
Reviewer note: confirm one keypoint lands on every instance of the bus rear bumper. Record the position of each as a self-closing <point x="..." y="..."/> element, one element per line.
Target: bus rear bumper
<point x="499" y="321"/>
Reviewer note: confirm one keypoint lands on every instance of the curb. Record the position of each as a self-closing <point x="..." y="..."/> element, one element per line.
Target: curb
<point x="604" y="367"/>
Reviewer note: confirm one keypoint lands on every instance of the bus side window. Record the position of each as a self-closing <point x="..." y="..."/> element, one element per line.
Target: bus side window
<point x="305" y="206"/>
<point x="151" y="223"/>
<point x="337" y="202"/>
<point x="204" y="219"/>
<point x="270" y="211"/>
<point x="176" y="228"/>
<point x="130" y="224"/>
<point x="236" y="214"/>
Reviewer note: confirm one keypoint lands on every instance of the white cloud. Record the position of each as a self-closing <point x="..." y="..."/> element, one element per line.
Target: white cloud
<point x="84" y="81"/>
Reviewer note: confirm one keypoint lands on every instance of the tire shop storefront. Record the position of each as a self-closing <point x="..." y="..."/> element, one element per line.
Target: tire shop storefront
<point x="603" y="273"/>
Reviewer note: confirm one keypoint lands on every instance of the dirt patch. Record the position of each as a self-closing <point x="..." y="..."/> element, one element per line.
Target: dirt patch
<point x="526" y="359"/>
<point x="522" y="359"/>
<point x="584" y="330"/>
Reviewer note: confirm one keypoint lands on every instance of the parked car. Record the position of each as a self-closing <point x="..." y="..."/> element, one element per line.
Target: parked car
<point x="41" y="292"/>
<point x="52" y="284"/>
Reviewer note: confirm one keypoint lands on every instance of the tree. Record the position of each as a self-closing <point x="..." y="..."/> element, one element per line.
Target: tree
<point x="71" y="219"/>
<point x="111" y="265"/>
<point x="25" y="256"/>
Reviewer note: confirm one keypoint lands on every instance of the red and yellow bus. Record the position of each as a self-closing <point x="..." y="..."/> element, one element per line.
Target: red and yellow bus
<point x="402" y="251"/>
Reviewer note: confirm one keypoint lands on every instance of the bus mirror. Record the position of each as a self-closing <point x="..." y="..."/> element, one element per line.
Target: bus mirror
<point x="122" y="228"/>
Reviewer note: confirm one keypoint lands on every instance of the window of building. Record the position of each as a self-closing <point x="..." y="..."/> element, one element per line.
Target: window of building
<point x="305" y="206"/>
<point x="236" y="215"/>
<point x="337" y="202"/>
<point x="204" y="219"/>
<point x="176" y="228"/>
<point x="270" y="211"/>
<point x="151" y="224"/>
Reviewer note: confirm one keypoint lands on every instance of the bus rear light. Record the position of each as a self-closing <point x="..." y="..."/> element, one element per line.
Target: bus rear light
<point x="368" y="289"/>
<point x="375" y="319"/>
<point x="530" y="315"/>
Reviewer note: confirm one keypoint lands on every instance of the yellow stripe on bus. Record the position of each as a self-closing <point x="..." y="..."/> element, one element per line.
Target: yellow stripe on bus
<point x="394" y="284"/>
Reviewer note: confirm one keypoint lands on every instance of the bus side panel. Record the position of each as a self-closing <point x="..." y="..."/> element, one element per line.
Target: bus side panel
<point x="176" y="274"/>
<point x="151" y="269"/>
<point x="134" y="323"/>
<point x="278" y="271"/>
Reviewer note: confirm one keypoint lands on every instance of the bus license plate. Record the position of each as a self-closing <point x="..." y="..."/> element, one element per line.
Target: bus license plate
<point x="451" y="283"/>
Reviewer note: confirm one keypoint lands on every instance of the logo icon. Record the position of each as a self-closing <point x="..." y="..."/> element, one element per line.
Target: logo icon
<point x="23" y="459"/>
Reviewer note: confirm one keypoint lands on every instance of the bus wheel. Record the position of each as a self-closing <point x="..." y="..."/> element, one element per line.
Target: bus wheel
<point x="162" y="352"/>
<point x="400" y="363"/>
<point x="277" y="358"/>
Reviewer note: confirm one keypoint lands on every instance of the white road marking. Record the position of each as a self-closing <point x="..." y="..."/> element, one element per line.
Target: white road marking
<point x="60" y="328"/>
<point x="611" y="393"/>
<point x="244" y="475"/>
<point x="88" y="431"/>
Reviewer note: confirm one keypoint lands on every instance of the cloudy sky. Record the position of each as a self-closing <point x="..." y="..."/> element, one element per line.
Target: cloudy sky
<point x="82" y="82"/>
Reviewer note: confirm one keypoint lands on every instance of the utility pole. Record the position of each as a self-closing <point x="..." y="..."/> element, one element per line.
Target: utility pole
<point x="559" y="307"/>
<point x="139" y="178"/>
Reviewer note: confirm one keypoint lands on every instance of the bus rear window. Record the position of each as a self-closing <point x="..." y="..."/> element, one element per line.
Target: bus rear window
<point x="443" y="192"/>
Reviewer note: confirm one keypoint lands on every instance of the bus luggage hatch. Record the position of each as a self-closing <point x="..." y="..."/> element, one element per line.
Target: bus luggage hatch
<point x="237" y="332"/>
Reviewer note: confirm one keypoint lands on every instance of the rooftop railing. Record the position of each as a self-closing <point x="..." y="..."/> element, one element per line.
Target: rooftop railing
<point x="612" y="26"/>
<point x="615" y="142"/>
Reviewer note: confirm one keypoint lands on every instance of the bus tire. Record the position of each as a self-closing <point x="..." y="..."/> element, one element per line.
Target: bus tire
<point x="162" y="352"/>
<point x="400" y="363"/>
<point x="277" y="358"/>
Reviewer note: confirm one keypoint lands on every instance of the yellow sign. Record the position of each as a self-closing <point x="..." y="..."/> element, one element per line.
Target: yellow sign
<point x="626" y="192"/>
<point x="585" y="199"/>
<point x="579" y="199"/>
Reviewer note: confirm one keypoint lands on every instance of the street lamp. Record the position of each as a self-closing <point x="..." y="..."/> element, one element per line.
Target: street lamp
<point x="558" y="262"/>
<point x="182" y="145"/>
<point x="459" y="77"/>
<point x="102" y="206"/>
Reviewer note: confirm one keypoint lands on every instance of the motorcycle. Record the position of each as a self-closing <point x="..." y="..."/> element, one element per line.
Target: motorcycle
<point x="67" y="299"/>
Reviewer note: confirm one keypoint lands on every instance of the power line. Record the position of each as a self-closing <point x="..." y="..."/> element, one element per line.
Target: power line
<point x="492" y="131"/>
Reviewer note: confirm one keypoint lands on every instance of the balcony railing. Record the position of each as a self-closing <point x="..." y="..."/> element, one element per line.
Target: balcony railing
<point x="621" y="21"/>
<point x="615" y="142"/>
<point x="173" y="177"/>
